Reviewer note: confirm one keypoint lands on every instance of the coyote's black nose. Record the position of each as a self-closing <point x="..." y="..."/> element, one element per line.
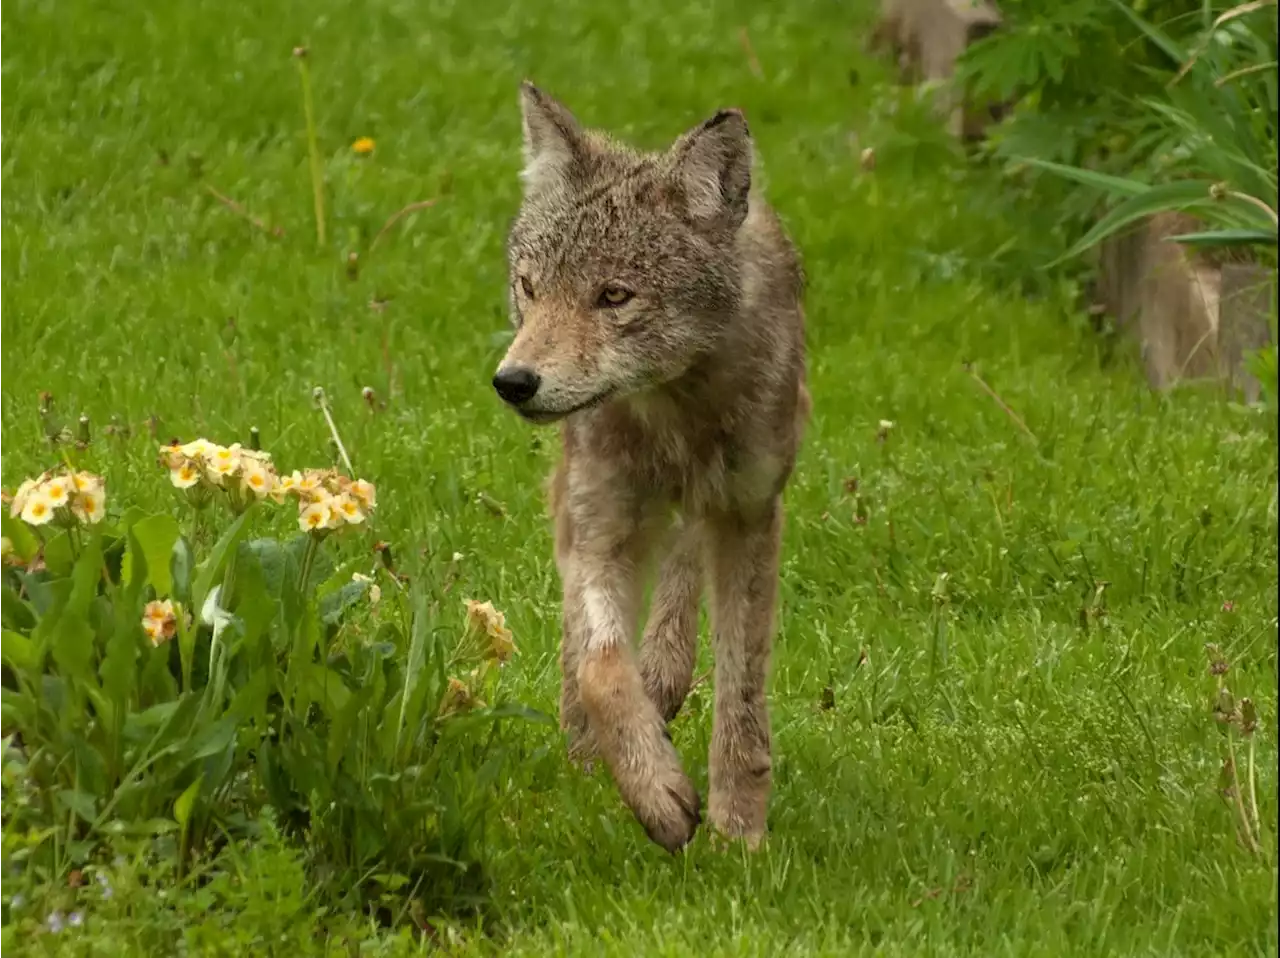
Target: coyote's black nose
<point x="517" y="385"/>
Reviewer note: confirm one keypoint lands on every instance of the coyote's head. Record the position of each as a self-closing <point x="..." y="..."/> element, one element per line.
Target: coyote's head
<point x="623" y="264"/>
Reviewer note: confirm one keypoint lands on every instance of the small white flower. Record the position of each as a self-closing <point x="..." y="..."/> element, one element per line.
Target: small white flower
<point x="185" y="476"/>
<point x="37" y="510"/>
<point x="57" y="490"/>
<point x="90" y="506"/>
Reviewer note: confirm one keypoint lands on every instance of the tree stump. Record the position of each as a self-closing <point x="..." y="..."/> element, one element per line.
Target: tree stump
<point x="926" y="38"/>
<point x="1194" y="316"/>
<point x="1247" y="304"/>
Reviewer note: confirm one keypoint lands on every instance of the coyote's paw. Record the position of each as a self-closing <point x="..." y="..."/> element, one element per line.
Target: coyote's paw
<point x="670" y="809"/>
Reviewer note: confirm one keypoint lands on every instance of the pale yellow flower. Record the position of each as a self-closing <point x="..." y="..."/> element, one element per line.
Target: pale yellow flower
<point x="185" y="476"/>
<point x="311" y="484"/>
<point x="257" y="479"/>
<point x="483" y="617"/>
<point x="363" y="146"/>
<point x="225" y="461"/>
<point x="348" y="509"/>
<point x="172" y="456"/>
<point x="87" y="482"/>
<point x="90" y="505"/>
<point x="316" y="516"/>
<point x="57" y="490"/>
<point x="160" y="621"/>
<point x="38" y="509"/>
<point x="199" y="449"/>
<point x="363" y="490"/>
<point x="22" y="495"/>
<point x="284" y="485"/>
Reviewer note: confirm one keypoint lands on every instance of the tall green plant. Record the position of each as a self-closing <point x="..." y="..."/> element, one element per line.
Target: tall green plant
<point x="160" y="685"/>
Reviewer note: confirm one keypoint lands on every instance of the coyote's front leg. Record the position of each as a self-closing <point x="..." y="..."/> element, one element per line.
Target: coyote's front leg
<point x="743" y="568"/>
<point x="629" y="732"/>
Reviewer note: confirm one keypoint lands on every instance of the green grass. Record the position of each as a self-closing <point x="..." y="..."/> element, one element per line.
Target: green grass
<point x="1003" y="774"/>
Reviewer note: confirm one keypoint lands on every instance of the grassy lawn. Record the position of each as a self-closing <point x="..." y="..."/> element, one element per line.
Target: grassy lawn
<point x="979" y="748"/>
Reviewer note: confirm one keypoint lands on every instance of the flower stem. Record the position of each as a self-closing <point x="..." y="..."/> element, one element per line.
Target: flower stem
<point x="308" y="559"/>
<point x="317" y="184"/>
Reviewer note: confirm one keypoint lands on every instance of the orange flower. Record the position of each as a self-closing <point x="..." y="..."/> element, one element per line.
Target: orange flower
<point x="363" y="146"/>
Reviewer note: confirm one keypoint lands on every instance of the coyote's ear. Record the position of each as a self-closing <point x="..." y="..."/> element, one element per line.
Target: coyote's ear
<point x="553" y="141"/>
<point x="712" y="164"/>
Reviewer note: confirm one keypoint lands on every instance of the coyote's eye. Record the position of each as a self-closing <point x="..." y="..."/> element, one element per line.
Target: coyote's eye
<point x="526" y="286"/>
<point x="612" y="297"/>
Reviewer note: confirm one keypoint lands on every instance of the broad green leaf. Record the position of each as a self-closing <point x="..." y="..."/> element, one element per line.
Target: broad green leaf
<point x="19" y="652"/>
<point x="24" y="541"/>
<point x="16" y="613"/>
<point x="80" y="803"/>
<point x="58" y="555"/>
<point x="413" y="667"/>
<point x="186" y="801"/>
<point x="207" y="572"/>
<point x="334" y="604"/>
<point x="156" y="536"/>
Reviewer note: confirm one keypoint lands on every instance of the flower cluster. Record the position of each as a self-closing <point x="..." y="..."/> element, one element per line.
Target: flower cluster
<point x="244" y="474"/>
<point x="66" y="497"/>
<point x="160" y="620"/>
<point x="327" y="499"/>
<point x="483" y="619"/>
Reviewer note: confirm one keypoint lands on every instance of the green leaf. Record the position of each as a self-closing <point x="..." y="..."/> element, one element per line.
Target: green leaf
<point x="1157" y="36"/>
<point x="1178" y="195"/>
<point x="80" y="803"/>
<point x="16" y="613"/>
<point x="1226" y="238"/>
<point x="186" y="801"/>
<point x="413" y="667"/>
<point x="334" y="604"/>
<point x="156" y="536"/>
<point x="180" y="564"/>
<point x="208" y="571"/>
<point x="19" y="652"/>
<point x="1123" y="186"/>
<point x="25" y="543"/>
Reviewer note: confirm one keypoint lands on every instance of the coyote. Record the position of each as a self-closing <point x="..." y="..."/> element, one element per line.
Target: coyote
<point x="657" y="305"/>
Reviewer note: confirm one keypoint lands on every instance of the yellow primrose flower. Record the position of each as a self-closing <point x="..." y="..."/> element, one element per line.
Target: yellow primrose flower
<point x="22" y="495"/>
<point x="310" y="483"/>
<point x="226" y="459"/>
<point x="363" y="490"/>
<point x="172" y="456"/>
<point x="315" y="517"/>
<point x="198" y="449"/>
<point x="363" y="146"/>
<point x="483" y="617"/>
<point x="38" y="509"/>
<point x="185" y="476"/>
<point x="90" y="505"/>
<point x="284" y="485"/>
<point x="87" y="482"/>
<point x="160" y="621"/>
<point x="57" y="490"/>
<point x="258" y="480"/>
<point x="347" y="508"/>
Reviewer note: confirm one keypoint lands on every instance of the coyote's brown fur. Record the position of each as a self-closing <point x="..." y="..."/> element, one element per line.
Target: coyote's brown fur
<point x="657" y="306"/>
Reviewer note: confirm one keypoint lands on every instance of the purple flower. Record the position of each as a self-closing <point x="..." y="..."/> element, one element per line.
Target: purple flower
<point x="105" y="884"/>
<point x="54" y="921"/>
<point x="75" y="919"/>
